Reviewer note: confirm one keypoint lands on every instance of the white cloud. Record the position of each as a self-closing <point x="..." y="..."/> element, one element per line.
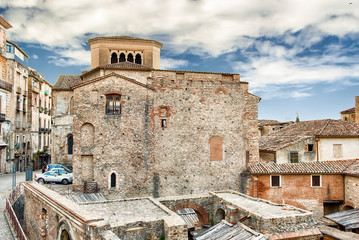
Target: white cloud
<point x="35" y="56"/>
<point x="170" y="63"/>
<point x="208" y="28"/>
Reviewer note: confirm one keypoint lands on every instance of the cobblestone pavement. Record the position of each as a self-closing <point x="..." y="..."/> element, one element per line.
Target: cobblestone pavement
<point x="5" y="189"/>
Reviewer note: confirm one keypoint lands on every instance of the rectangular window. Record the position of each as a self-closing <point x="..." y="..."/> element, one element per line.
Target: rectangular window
<point x="337" y="150"/>
<point x="113" y="104"/>
<point x="310" y="147"/>
<point x="316" y="181"/>
<point x="275" y="181"/>
<point x="293" y="157"/>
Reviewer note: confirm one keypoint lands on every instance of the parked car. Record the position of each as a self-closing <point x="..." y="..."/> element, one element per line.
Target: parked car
<point x="55" y="165"/>
<point x="61" y="171"/>
<point x="53" y="176"/>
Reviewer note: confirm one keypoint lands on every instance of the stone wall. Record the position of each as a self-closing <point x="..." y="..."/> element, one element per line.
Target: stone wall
<point x="351" y="191"/>
<point x="282" y="155"/>
<point x="160" y="144"/>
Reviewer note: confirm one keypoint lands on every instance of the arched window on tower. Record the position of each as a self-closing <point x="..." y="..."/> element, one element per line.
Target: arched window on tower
<point x="70" y="144"/>
<point x="114" y="58"/>
<point x="138" y="59"/>
<point x="122" y="57"/>
<point x="130" y="57"/>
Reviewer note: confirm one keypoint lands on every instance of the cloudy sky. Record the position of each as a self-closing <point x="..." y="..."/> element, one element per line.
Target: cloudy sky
<point x="298" y="56"/>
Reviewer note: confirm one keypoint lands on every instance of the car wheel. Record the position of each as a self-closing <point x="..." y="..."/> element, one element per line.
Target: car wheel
<point x="42" y="181"/>
<point x="65" y="181"/>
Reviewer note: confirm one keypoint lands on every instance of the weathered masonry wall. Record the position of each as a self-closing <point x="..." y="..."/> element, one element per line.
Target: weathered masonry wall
<point x="351" y="191"/>
<point x="162" y="142"/>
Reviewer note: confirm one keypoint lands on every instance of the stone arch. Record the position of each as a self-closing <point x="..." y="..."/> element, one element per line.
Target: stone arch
<point x="200" y="211"/>
<point x="44" y="222"/>
<point x="216" y="148"/>
<point x="64" y="231"/>
<point x="138" y="59"/>
<point x="130" y="57"/>
<point x="113" y="58"/>
<point x="113" y="180"/>
<point x="87" y="135"/>
<point x="348" y="205"/>
<point x="219" y="216"/>
<point x="122" y="57"/>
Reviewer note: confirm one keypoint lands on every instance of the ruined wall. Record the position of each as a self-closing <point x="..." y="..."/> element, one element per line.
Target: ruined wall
<point x="352" y="191"/>
<point x="296" y="190"/>
<point x="43" y="221"/>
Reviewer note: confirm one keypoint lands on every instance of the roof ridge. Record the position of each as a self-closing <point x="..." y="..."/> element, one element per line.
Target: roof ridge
<point x="354" y="161"/>
<point x="325" y="126"/>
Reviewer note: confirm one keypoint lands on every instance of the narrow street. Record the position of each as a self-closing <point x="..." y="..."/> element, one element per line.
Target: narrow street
<point x="5" y="189"/>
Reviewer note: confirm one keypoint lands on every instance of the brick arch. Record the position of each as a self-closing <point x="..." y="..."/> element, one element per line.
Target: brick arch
<point x="348" y="204"/>
<point x="200" y="211"/>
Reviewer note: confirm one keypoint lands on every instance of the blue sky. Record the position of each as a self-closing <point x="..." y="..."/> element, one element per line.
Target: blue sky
<point x="298" y="56"/>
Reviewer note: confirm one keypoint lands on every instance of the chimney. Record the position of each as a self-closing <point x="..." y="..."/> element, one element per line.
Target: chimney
<point x="357" y="109"/>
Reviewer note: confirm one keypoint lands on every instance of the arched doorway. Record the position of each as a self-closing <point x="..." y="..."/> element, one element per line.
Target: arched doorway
<point x="64" y="235"/>
<point x="220" y="215"/>
<point x="130" y="58"/>
<point x="113" y="180"/>
<point x="198" y="209"/>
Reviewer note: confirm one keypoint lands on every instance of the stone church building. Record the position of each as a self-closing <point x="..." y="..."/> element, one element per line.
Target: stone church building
<point x="133" y="129"/>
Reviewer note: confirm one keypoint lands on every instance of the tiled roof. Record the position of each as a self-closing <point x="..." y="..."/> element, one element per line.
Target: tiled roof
<point x="267" y="122"/>
<point x="299" y="131"/>
<point x="227" y="231"/>
<point x="65" y="82"/>
<point x="125" y="65"/>
<point x="348" y="219"/>
<point x="323" y="167"/>
<point x="4" y="23"/>
<point x="350" y="110"/>
<point x="353" y="169"/>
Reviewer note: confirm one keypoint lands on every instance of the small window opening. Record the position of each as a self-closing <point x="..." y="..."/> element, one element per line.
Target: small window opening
<point x="138" y="59"/>
<point x="163" y="123"/>
<point x="310" y="147"/>
<point x="122" y="57"/>
<point x="316" y="181"/>
<point x="275" y="181"/>
<point x="114" y="58"/>
<point x="70" y="143"/>
<point x="113" y="180"/>
<point x="130" y="58"/>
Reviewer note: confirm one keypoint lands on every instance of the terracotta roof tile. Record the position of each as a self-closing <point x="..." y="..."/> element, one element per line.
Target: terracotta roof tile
<point x="299" y="131"/>
<point x="350" y="110"/>
<point x="353" y="169"/>
<point x="65" y="82"/>
<point x="125" y="65"/>
<point x="265" y="122"/>
<point x="324" y="167"/>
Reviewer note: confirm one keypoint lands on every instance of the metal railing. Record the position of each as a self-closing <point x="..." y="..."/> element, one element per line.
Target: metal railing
<point x="11" y="213"/>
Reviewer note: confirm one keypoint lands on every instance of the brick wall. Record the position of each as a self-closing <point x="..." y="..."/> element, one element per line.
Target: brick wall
<point x="352" y="191"/>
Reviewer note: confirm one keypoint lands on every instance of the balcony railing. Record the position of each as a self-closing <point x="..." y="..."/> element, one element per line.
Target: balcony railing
<point x="2" y="117"/>
<point x="5" y="85"/>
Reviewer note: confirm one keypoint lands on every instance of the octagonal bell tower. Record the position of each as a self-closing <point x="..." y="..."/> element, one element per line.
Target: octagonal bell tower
<point x="116" y="49"/>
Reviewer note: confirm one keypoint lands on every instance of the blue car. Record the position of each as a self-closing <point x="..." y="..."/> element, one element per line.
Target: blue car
<point x="56" y="165"/>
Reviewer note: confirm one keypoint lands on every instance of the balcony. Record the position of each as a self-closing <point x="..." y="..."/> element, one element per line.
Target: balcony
<point x="18" y="90"/>
<point x="46" y="92"/>
<point x="35" y="89"/>
<point x="5" y="85"/>
<point x="2" y="117"/>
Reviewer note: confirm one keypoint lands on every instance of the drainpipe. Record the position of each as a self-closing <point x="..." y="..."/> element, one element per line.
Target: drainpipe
<point x="317" y="144"/>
